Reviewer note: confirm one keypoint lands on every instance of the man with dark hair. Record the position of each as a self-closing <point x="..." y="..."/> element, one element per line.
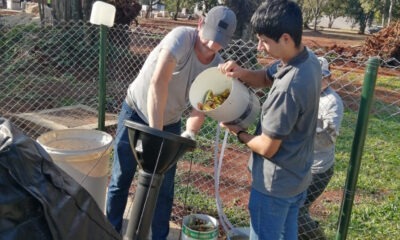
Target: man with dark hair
<point x="282" y="146"/>
<point x="158" y="97"/>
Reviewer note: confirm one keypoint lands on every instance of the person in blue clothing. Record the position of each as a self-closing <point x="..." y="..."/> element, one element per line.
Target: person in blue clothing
<point x="158" y="97"/>
<point x="330" y="115"/>
<point x="282" y="146"/>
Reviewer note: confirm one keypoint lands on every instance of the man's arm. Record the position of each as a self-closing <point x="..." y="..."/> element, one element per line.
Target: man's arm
<point x="253" y="78"/>
<point x="195" y="120"/>
<point x="158" y="89"/>
<point x="193" y="124"/>
<point x="261" y="144"/>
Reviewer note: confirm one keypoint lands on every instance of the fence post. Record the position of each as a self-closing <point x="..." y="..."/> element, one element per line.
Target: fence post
<point x="357" y="147"/>
<point x="102" y="77"/>
<point x="102" y="14"/>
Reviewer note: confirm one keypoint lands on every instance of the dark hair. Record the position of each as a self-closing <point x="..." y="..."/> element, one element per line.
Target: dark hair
<point x="276" y="17"/>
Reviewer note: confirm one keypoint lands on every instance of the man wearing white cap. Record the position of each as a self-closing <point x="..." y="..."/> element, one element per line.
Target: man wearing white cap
<point x="330" y="114"/>
<point x="158" y="97"/>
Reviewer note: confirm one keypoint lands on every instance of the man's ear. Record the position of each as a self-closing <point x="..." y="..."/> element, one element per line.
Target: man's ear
<point x="286" y="38"/>
<point x="200" y="23"/>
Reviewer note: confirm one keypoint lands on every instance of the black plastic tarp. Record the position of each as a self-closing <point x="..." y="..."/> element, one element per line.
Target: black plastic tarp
<point x="40" y="201"/>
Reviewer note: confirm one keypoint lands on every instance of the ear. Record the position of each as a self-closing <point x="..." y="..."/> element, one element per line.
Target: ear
<point x="286" y="38"/>
<point x="200" y="23"/>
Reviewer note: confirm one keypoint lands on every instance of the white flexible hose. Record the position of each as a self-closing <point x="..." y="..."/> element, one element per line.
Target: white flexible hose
<point x="226" y="224"/>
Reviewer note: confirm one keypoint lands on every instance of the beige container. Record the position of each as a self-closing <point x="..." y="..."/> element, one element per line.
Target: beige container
<point x="84" y="155"/>
<point x="242" y="106"/>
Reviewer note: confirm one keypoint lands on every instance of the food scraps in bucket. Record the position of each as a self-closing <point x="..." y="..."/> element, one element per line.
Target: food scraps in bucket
<point x="200" y="225"/>
<point x="212" y="101"/>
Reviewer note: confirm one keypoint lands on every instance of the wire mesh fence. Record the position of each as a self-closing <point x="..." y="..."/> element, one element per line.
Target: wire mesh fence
<point x="49" y="80"/>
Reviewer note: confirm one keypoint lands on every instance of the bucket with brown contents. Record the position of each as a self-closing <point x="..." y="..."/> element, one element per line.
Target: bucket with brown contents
<point x="199" y="226"/>
<point x="224" y="99"/>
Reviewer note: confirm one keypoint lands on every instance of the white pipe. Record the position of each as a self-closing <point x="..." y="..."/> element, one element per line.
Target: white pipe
<point x="226" y="224"/>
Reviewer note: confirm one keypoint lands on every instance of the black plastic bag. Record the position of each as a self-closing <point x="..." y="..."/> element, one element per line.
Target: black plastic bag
<point x="40" y="201"/>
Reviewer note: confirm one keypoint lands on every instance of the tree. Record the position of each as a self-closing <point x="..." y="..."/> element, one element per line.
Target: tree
<point x="243" y="9"/>
<point x="178" y="3"/>
<point x="314" y="7"/>
<point x="64" y="10"/>
<point x="307" y="15"/>
<point x="362" y="11"/>
<point x="390" y="11"/>
<point x="334" y="9"/>
<point x="126" y="11"/>
<point x="176" y="6"/>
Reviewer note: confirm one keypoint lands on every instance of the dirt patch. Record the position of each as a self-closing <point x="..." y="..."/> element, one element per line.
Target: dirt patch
<point x="235" y="179"/>
<point x="330" y="39"/>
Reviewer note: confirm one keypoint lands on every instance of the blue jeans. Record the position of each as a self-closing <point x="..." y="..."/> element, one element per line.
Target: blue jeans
<point x="122" y="174"/>
<point x="308" y="227"/>
<point x="273" y="218"/>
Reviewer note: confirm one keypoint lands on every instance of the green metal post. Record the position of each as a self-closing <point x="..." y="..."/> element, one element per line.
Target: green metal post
<point x="357" y="147"/>
<point x="102" y="77"/>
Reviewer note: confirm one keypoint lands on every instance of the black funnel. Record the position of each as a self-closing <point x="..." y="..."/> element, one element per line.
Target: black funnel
<point x="149" y="144"/>
<point x="156" y="152"/>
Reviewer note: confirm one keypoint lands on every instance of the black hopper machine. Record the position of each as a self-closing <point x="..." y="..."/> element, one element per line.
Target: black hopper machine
<point x="155" y="152"/>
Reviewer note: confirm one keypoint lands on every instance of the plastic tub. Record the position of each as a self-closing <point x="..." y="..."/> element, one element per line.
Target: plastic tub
<point x="84" y="155"/>
<point x="242" y="106"/>
<point x="192" y="234"/>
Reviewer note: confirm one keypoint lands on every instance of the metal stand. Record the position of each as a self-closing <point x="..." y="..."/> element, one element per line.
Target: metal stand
<point x="143" y="205"/>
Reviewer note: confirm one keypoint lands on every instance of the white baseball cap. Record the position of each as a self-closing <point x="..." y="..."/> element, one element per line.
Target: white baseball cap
<point x="324" y="67"/>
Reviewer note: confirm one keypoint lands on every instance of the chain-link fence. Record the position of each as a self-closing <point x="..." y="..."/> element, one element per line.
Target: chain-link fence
<point x="49" y="80"/>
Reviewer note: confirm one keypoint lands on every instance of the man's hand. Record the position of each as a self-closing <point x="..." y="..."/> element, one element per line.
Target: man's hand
<point x="231" y="69"/>
<point x="189" y="134"/>
<point x="233" y="129"/>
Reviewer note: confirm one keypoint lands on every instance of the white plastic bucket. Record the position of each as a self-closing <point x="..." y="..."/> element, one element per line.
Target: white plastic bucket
<point x="191" y="234"/>
<point x="84" y="155"/>
<point x="242" y="106"/>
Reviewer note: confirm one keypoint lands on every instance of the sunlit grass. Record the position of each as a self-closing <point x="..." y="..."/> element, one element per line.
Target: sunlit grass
<point x="388" y="82"/>
<point x="376" y="210"/>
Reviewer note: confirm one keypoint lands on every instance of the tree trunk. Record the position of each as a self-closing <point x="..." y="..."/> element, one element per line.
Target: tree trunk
<point x="243" y="9"/>
<point x="67" y="10"/>
<point x="390" y="12"/>
<point x="76" y="10"/>
<point x="331" y="19"/>
<point x="41" y="9"/>
<point x="87" y="9"/>
<point x="178" y="4"/>
<point x="149" y="9"/>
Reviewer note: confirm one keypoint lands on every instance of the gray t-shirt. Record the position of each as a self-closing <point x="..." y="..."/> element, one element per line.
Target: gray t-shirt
<point x="290" y="114"/>
<point x="180" y="42"/>
<point x="330" y="115"/>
